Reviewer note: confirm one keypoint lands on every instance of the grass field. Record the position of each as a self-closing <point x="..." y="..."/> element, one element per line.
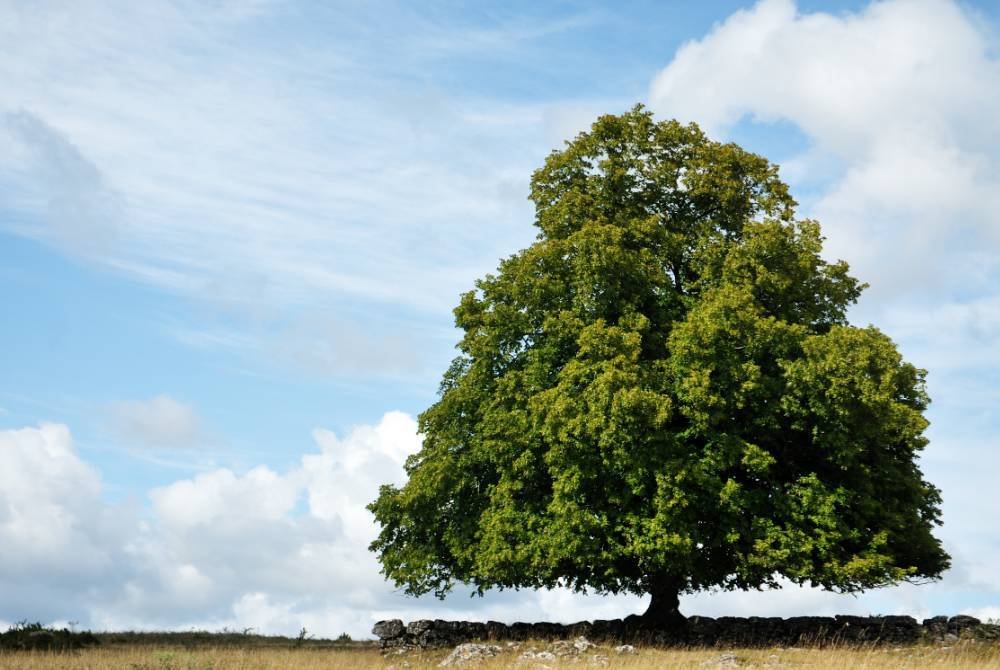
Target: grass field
<point x="967" y="655"/>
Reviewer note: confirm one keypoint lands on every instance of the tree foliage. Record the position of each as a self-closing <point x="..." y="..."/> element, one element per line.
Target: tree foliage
<point x="664" y="386"/>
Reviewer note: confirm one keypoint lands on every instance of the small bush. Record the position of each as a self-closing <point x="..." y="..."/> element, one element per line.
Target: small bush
<point x="25" y="636"/>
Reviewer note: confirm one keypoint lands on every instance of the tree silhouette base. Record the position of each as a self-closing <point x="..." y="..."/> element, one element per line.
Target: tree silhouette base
<point x="664" y="606"/>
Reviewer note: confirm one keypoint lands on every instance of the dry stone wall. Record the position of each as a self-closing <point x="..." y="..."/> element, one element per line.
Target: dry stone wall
<point x="696" y="630"/>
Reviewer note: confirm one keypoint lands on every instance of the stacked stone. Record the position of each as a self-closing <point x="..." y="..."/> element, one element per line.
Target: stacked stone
<point x="943" y="629"/>
<point x="699" y="631"/>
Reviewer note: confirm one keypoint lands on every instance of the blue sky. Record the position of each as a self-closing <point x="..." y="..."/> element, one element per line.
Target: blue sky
<point x="231" y="235"/>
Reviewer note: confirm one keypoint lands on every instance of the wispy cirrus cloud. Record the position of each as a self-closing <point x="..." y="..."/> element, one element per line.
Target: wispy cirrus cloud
<point x="69" y="201"/>
<point x="286" y="169"/>
<point x="271" y="164"/>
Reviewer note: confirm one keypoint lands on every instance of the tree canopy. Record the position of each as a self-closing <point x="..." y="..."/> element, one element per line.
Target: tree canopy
<point x="663" y="394"/>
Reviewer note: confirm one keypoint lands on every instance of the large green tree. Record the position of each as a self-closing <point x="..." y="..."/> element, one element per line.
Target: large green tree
<point x="662" y="394"/>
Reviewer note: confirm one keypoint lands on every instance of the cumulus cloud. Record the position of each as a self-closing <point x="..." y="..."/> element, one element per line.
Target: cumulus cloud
<point x="271" y="549"/>
<point x="161" y="421"/>
<point x="901" y="94"/>
<point x="62" y="544"/>
<point x="42" y="474"/>
<point x="275" y="550"/>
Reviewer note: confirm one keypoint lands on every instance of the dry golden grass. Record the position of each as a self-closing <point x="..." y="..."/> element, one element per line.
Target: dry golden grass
<point x="963" y="656"/>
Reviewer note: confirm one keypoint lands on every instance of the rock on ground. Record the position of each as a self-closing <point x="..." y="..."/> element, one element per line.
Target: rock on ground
<point x="726" y="660"/>
<point x="470" y="653"/>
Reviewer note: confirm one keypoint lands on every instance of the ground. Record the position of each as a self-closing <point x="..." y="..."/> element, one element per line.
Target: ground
<point x="965" y="655"/>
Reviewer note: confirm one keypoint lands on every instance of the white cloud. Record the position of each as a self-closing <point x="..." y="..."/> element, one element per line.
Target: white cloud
<point x="161" y="421"/>
<point x="40" y="478"/>
<point x="844" y="79"/>
<point x="262" y="548"/>
<point x="901" y="93"/>
<point x="222" y="498"/>
<point x="346" y="475"/>
<point x="270" y="549"/>
<point x="985" y="613"/>
<point x="62" y="544"/>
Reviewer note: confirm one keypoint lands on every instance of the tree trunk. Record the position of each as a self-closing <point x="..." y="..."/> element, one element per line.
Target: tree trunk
<point x="664" y="608"/>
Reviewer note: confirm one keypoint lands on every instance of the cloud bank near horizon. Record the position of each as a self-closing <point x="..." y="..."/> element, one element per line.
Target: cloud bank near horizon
<point x="273" y="550"/>
<point x="277" y="551"/>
